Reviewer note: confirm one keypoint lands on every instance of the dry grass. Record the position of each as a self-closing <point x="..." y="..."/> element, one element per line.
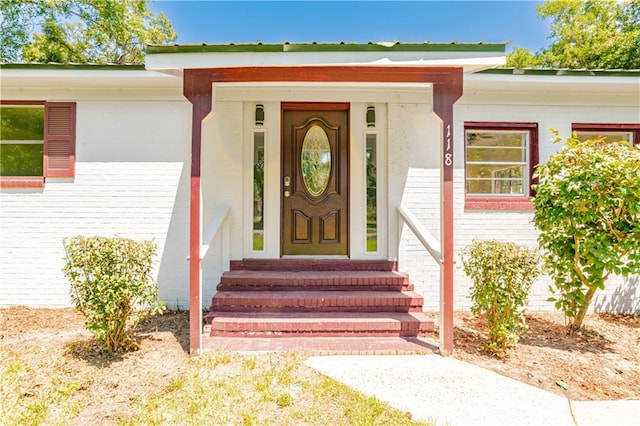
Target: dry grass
<point x="53" y="372"/>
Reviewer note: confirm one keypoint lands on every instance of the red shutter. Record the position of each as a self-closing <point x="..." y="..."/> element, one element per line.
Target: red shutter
<point x="59" y="139"/>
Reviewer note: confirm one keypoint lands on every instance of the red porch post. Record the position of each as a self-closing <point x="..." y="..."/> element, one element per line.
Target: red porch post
<point x="445" y="95"/>
<point x="199" y="92"/>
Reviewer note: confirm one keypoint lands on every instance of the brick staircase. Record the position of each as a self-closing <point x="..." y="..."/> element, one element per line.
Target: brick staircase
<point x="316" y="297"/>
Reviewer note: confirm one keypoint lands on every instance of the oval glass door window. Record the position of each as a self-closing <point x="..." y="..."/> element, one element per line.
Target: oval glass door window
<point x="316" y="161"/>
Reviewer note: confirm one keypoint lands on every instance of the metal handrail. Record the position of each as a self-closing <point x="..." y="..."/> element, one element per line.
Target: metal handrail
<point x="429" y="242"/>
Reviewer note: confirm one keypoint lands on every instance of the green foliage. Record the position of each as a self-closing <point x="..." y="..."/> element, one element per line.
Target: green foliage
<point x="111" y="285"/>
<point x="502" y="274"/>
<point x="587" y="208"/>
<point x="83" y="31"/>
<point x="21" y="159"/>
<point x="521" y="57"/>
<point x="19" y="123"/>
<point x="594" y="34"/>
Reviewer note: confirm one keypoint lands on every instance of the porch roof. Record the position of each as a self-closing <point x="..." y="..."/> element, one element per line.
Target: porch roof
<point x="173" y="59"/>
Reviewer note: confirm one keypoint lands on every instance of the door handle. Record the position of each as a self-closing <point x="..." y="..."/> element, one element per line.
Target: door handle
<point x="287" y="194"/>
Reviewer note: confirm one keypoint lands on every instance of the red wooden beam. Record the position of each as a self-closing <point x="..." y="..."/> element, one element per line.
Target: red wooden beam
<point x="199" y="93"/>
<point x="444" y="96"/>
<point x="327" y="74"/>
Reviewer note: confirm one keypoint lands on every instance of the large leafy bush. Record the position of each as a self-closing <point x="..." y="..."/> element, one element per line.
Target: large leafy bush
<point x="112" y="285"/>
<point x="587" y="208"/>
<point x="502" y="274"/>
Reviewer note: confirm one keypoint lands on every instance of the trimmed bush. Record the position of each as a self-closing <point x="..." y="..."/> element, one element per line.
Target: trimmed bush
<point x="502" y="274"/>
<point x="587" y="209"/>
<point x="112" y="286"/>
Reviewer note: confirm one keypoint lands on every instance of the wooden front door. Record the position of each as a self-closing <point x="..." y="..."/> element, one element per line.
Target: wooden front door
<point x="315" y="177"/>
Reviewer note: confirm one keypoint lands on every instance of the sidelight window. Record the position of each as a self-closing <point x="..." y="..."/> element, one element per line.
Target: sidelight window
<point x="372" y="191"/>
<point x="258" y="191"/>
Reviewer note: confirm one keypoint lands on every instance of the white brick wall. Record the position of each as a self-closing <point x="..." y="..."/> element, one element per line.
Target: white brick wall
<point x="132" y="179"/>
<point x="420" y="189"/>
<point x="133" y="200"/>
<point x="132" y="172"/>
<point x="421" y="197"/>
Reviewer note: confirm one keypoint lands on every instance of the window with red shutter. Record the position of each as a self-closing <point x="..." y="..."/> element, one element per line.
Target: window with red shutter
<point x="37" y="141"/>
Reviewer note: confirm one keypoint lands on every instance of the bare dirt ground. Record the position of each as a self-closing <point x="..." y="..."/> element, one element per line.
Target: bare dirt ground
<point x="35" y="338"/>
<point x="600" y="363"/>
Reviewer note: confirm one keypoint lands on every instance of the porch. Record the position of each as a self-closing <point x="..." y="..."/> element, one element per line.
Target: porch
<point x="325" y="221"/>
<point x="319" y="232"/>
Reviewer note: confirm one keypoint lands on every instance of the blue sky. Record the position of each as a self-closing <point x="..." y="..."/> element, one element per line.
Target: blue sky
<point x="356" y="21"/>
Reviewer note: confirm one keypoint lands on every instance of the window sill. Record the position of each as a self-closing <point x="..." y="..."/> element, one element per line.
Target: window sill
<point x="21" y="182"/>
<point x="499" y="203"/>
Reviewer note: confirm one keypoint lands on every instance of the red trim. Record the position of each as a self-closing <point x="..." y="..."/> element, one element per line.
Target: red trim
<point x="498" y="203"/>
<point x="21" y="182"/>
<point x="316" y="106"/>
<point x="609" y="127"/>
<point x="330" y="74"/>
<point x="447" y="89"/>
<point x="494" y="125"/>
<point x="2" y="102"/>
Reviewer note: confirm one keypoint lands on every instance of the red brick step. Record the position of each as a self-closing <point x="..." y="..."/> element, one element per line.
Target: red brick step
<point x="316" y="297"/>
<point x="312" y="265"/>
<point x="317" y="301"/>
<point x="326" y="324"/>
<point x="314" y="280"/>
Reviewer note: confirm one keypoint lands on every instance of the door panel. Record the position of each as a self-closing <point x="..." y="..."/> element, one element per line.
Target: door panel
<point x="315" y="178"/>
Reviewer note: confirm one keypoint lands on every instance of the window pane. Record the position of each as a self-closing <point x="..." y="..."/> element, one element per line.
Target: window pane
<point x="497" y="139"/>
<point x="372" y="193"/>
<point x="608" y="135"/>
<point x="496" y="162"/>
<point x="496" y="154"/>
<point x="21" y="123"/>
<point x="21" y="159"/>
<point x="258" y="191"/>
<point x="316" y="161"/>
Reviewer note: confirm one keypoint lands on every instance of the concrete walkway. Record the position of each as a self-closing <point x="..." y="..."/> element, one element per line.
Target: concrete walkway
<point x="452" y="392"/>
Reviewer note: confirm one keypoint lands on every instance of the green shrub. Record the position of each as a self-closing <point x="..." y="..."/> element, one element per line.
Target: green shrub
<point x="502" y="275"/>
<point x="112" y="286"/>
<point x="587" y="209"/>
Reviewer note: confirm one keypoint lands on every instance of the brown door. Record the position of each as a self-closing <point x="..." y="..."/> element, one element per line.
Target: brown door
<point x="315" y="146"/>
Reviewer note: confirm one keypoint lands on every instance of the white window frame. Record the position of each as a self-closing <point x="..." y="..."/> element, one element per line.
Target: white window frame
<point x="526" y="179"/>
